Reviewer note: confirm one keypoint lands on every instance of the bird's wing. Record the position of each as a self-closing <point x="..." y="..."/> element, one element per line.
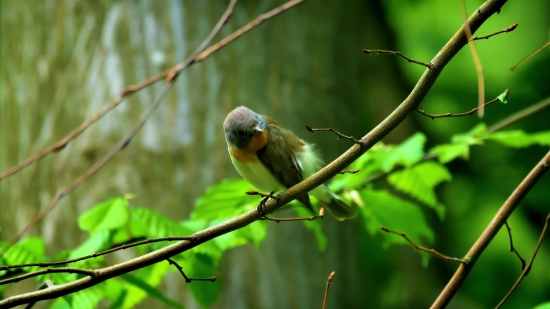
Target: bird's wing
<point x="279" y="156"/>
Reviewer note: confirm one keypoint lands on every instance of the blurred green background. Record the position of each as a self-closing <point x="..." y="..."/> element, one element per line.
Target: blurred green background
<point x="63" y="61"/>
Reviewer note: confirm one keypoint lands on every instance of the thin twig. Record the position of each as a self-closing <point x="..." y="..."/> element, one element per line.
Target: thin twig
<point x="349" y="172"/>
<point x="479" y="67"/>
<point x="468" y="113"/>
<point x="512" y="249"/>
<point x="310" y="218"/>
<point x="530" y="55"/>
<point x="396" y="53"/>
<point x="263" y="195"/>
<point x="188" y="279"/>
<point x="329" y="280"/>
<point x="47" y="284"/>
<point x="528" y="268"/>
<point x="94" y="255"/>
<point x="61" y="144"/>
<point x="520" y="115"/>
<point x="340" y="135"/>
<point x="170" y="77"/>
<point x="492" y="229"/>
<point x="70" y="270"/>
<point x="509" y="29"/>
<point x="417" y="247"/>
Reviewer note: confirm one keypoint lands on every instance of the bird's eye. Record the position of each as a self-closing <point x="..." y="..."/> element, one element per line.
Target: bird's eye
<point x="241" y="133"/>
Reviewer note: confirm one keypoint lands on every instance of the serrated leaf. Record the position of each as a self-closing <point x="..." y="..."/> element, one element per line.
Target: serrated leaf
<point x="156" y="224"/>
<point x="520" y="139"/>
<point x="472" y="137"/>
<point x="151" y="275"/>
<point x="419" y="182"/>
<point x="151" y="291"/>
<point x="448" y="152"/>
<point x="88" y="298"/>
<point x="407" y="153"/>
<point x="28" y="250"/>
<point x="383" y="209"/>
<point x="109" y="215"/>
<point x="224" y="200"/>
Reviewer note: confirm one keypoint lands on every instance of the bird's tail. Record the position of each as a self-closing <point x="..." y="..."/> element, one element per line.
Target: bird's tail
<point x="338" y="209"/>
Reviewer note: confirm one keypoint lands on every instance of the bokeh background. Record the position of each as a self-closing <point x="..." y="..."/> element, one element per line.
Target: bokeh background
<point x="63" y="61"/>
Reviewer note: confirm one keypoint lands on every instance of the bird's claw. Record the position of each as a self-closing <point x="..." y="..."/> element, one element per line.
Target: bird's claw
<point x="266" y="197"/>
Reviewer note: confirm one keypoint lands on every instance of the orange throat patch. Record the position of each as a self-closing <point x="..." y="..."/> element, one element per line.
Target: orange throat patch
<point x="258" y="141"/>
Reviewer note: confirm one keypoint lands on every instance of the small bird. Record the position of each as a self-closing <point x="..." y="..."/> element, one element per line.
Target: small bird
<point x="272" y="158"/>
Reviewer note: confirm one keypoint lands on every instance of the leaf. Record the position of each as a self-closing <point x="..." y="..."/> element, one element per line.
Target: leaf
<point x="383" y="209"/>
<point x="157" y="225"/>
<point x="543" y="306"/>
<point x="407" y="153"/>
<point x="315" y="226"/>
<point x="114" y="289"/>
<point x="88" y="298"/>
<point x="28" y="250"/>
<point x="448" y="152"/>
<point x="520" y="139"/>
<point x="419" y="182"/>
<point x="109" y="215"/>
<point x="60" y="303"/>
<point x="503" y="97"/>
<point x="150" y="290"/>
<point x="224" y="200"/>
<point x="472" y="137"/>
<point x="95" y="243"/>
<point x="151" y="275"/>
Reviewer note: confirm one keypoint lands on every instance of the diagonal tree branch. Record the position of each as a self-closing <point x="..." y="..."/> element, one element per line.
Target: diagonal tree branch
<point x="409" y="105"/>
<point x="492" y="229"/>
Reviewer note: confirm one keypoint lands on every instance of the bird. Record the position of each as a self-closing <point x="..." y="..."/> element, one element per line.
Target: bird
<point x="272" y="159"/>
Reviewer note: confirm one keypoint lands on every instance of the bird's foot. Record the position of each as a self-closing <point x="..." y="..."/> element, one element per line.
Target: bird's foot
<point x="265" y="197"/>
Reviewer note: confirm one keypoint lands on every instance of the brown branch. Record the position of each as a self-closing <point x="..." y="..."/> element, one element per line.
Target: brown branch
<point x="520" y="115"/>
<point x="349" y="172"/>
<point x="528" y="268"/>
<point x="479" y="67"/>
<point x="468" y="113"/>
<point x="492" y="229"/>
<point x="409" y="105"/>
<point x="530" y="55"/>
<point x="509" y="29"/>
<point x="47" y="284"/>
<point x="170" y="76"/>
<point x="396" y="53"/>
<point x="310" y="218"/>
<point x="189" y="279"/>
<point x="61" y="144"/>
<point x="512" y="249"/>
<point x="340" y="135"/>
<point x="329" y="280"/>
<point x="70" y="270"/>
<point x="94" y="255"/>
<point x="430" y="251"/>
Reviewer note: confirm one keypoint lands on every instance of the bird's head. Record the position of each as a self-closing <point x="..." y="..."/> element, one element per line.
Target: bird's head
<point x="241" y="126"/>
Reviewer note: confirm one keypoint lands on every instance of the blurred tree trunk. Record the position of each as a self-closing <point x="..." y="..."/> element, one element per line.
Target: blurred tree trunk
<point x="63" y="61"/>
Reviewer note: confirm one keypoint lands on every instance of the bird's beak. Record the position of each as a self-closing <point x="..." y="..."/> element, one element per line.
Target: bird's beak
<point x="258" y="130"/>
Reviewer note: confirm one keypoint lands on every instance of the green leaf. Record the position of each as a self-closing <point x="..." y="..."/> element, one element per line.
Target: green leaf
<point x="88" y="298"/>
<point x="28" y="250"/>
<point x="60" y="303"/>
<point x="114" y="289"/>
<point x="448" y="152"/>
<point x="472" y="137"/>
<point x="156" y="224"/>
<point x="315" y="226"/>
<point x="520" y="139"/>
<point x="151" y="275"/>
<point x="383" y="209"/>
<point x="109" y="215"/>
<point x="407" y="153"/>
<point x="224" y="200"/>
<point x="419" y="182"/>
<point x="150" y="290"/>
<point x="95" y="243"/>
<point x="503" y="97"/>
<point x="543" y="306"/>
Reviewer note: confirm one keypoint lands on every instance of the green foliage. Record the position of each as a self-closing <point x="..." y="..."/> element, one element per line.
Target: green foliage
<point x="419" y="182"/>
<point x="406" y="166"/>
